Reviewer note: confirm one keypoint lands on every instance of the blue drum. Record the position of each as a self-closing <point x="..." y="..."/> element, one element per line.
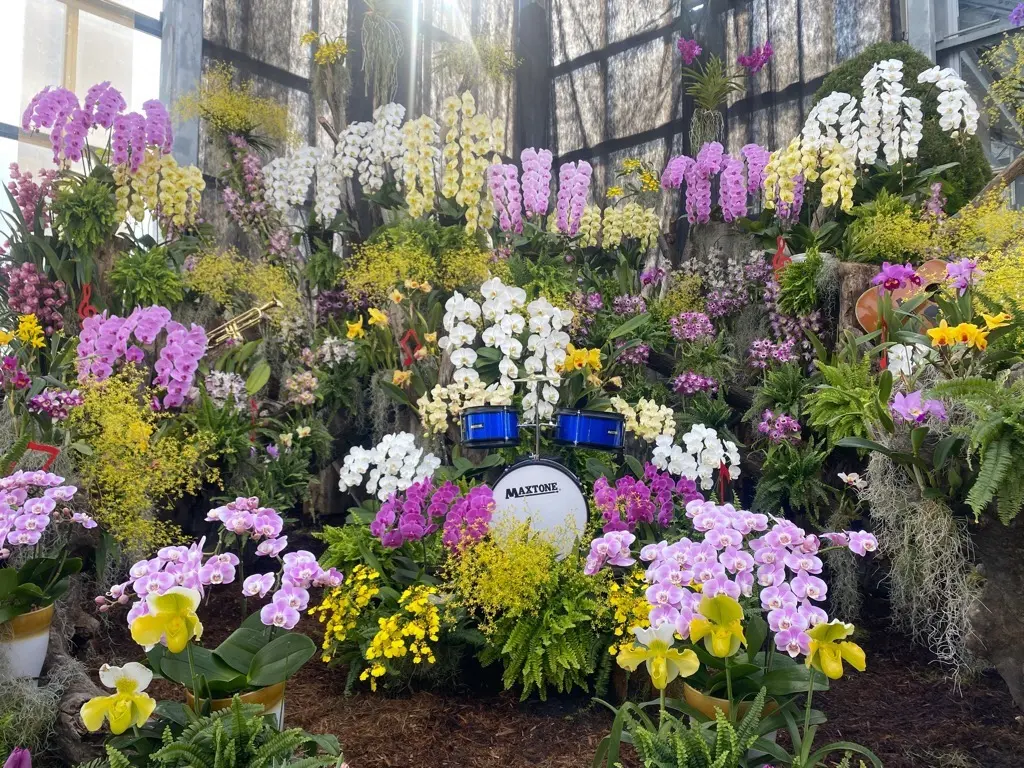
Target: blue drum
<point x="490" y="426"/>
<point x="590" y="429"/>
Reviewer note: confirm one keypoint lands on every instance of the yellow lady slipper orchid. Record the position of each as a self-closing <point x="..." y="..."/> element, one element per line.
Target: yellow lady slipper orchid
<point x="171" y="620"/>
<point x="720" y="625"/>
<point x="378" y="318"/>
<point x="355" y="330"/>
<point x="827" y="652"/>
<point x="126" y="708"/>
<point x="996" y="321"/>
<point x="942" y="336"/>
<point x="654" y="647"/>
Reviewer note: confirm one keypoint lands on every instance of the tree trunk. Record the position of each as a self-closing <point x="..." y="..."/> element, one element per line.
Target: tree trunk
<point x="72" y="741"/>
<point x="854" y="280"/>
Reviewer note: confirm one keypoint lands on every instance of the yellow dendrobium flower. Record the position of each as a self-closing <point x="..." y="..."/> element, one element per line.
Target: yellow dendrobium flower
<point x="378" y="318"/>
<point x="942" y="336"/>
<point x="614" y="193"/>
<point x="829" y="648"/>
<point x="355" y="330"/>
<point x="126" y="708"/>
<point x="720" y="625"/>
<point x="430" y="338"/>
<point x="30" y="332"/>
<point x="401" y="378"/>
<point x="996" y="321"/>
<point x="412" y="285"/>
<point x="654" y="647"/>
<point x="171" y="620"/>
<point x="397" y="296"/>
<point x="6" y="337"/>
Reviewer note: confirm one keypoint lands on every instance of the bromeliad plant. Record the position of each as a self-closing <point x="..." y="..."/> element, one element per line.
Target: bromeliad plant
<point x="744" y="606"/>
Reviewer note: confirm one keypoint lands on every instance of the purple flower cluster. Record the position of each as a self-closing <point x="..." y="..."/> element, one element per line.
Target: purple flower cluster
<point x="585" y="307"/>
<point x="573" y="187"/>
<point x="788" y="328"/>
<point x="503" y="181"/>
<point x="24" y="516"/>
<point x="536" y="180"/>
<point x="935" y="206"/>
<point x="757" y="160"/>
<point x="709" y="162"/>
<point x="691" y="383"/>
<point x="914" y="409"/>
<point x="30" y="292"/>
<point x="779" y="428"/>
<point x="1017" y="15"/>
<point x="654" y="276"/>
<point x="653" y="499"/>
<point x="689" y="50"/>
<point x="892" y="277"/>
<point x="638" y="354"/>
<point x="69" y="122"/>
<point x="732" y="190"/>
<point x="337" y="303"/>
<point x="757" y="59"/>
<point x="423" y="509"/>
<point x="764" y="352"/>
<point x="247" y="205"/>
<point x="675" y="172"/>
<point x="55" y="404"/>
<point x="692" y="326"/>
<point x="628" y="305"/>
<point x="610" y="549"/>
<point x="13" y="375"/>
<point x="788" y="213"/>
<point x="105" y="340"/>
<point x="783" y="563"/>
<point x="28" y="193"/>
<point x="962" y="274"/>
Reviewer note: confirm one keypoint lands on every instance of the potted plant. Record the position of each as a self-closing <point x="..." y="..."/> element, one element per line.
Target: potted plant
<point x="32" y="576"/>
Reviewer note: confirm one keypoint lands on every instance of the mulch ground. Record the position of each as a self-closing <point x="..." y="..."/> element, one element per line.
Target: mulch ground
<point x="902" y="707"/>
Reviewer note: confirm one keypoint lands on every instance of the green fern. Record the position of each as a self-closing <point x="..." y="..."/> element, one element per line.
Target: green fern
<point x="847" y="402"/>
<point x="14" y="453"/>
<point x="782" y="391"/>
<point x="793" y="475"/>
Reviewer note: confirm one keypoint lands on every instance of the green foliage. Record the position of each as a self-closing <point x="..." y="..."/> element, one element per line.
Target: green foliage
<point x="346" y="544"/>
<point x="323" y="267"/>
<point x="996" y="439"/>
<point x="143" y="278"/>
<point x="36" y="583"/>
<point x="782" y="391"/>
<point x="14" y="454"/>
<point x="555" y="647"/>
<point x="847" y="401"/>
<point x="85" y="213"/>
<point x="798" y="289"/>
<point x="792" y="474"/>
<point x="239" y="736"/>
<point x="937" y="147"/>
<point x="710" y="84"/>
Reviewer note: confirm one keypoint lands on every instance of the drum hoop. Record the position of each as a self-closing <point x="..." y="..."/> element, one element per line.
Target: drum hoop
<point x="529" y="460"/>
<point x="490" y="409"/>
<point x="606" y="415"/>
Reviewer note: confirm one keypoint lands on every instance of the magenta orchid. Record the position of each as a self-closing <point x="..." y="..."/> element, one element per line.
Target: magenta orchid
<point x="913" y="408"/>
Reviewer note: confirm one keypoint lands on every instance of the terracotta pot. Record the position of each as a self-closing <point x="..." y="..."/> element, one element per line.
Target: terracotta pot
<point x="271" y="697"/>
<point x="707" y="705"/>
<point x="24" y="641"/>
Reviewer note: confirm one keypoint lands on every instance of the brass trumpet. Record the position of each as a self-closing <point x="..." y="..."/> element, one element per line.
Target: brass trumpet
<point x="233" y="328"/>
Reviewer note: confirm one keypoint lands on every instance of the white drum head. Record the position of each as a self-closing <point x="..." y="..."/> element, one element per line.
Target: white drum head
<point x="545" y="495"/>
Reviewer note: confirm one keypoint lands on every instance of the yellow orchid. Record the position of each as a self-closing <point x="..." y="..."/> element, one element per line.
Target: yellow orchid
<point x="171" y="620"/>
<point x="654" y="647"/>
<point x="942" y="336"/>
<point x="426" y="287"/>
<point x="30" y="332"/>
<point x="829" y="649"/>
<point x="996" y="321"/>
<point x="6" y="337"/>
<point x="412" y="285"/>
<point x="720" y="625"/>
<point x="378" y="318"/>
<point x="126" y="708"/>
<point x="966" y="333"/>
<point x="401" y="378"/>
<point x="355" y="330"/>
<point x="430" y="338"/>
<point x="397" y="296"/>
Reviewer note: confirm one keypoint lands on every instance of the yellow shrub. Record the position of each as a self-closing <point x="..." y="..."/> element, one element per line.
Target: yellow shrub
<point x="236" y="283"/>
<point x="232" y="108"/>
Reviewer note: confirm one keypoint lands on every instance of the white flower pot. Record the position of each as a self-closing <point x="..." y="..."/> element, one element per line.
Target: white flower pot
<point x="271" y="697"/>
<point x="24" y="641"/>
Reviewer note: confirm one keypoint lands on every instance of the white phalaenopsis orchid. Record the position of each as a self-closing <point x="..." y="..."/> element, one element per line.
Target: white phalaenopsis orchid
<point x="393" y="465"/>
<point x="701" y="454"/>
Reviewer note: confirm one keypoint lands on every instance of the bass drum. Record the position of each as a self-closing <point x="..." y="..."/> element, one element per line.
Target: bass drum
<point x="547" y="496"/>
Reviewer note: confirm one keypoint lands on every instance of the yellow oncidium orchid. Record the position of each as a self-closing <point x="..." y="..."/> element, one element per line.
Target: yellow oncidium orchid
<point x="355" y="330"/>
<point x="378" y="318"/>
<point x="654" y="647"/>
<point x="126" y="708"/>
<point x="720" y="625"/>
<point x="996" y="321"/>
<point x="829" y="648"/>
<point x="942" y="336"/>
<point x="171" y="620"/>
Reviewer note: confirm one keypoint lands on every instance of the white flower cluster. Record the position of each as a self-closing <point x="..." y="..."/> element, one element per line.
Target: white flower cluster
<point x="832" y="120"/>
<point x="288" y="178"/>
<point x="393" y="465"/>
<point x="648" y="421"/>
<point x="465" y="151"/>
<point x="333" y="351"/>
<point x="436" y="406"/>
<point x="418" y="139"/>
<point x="223" y="387"/>
<point x="956" y="107"/>
<point x="547" y="345"/>
<point x="904" y="359"/>
<point x="460" y="313"/>
<point x="372" y="148"/>
<point x="501" y="309"/>
<point x="701" y="454"/>
<point x="889" y="117"/>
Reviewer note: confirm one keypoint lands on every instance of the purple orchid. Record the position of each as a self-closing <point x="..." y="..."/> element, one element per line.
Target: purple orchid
<point x="892" y="277"/>
<point x="689" y="50"/>
<point x="913" y="408"/>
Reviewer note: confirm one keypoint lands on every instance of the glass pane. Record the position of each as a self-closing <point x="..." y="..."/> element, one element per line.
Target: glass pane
<point x="576" y="28"/>
<point x="628" y="17"/>
<point x="975" y="12"/>
<point x="641" y="86"/>
<point x="104" y="53"/>
<point x="145" y="70"/>
<point x="151" y="8"/>
<point x="31" y="52"/>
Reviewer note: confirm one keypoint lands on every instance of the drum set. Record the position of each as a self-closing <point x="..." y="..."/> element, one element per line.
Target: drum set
<point x="536" y="490"/>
